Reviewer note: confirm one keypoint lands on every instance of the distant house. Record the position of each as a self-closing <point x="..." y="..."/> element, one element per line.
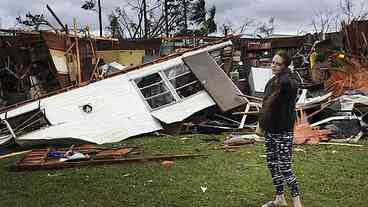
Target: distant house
<point x="129" y="52"/>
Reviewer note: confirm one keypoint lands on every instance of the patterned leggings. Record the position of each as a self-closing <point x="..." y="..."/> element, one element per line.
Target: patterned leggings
<point x="279" y="153"/>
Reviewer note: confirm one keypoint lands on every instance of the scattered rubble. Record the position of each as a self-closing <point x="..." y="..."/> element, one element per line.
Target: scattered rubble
<point x="87" y="155"/>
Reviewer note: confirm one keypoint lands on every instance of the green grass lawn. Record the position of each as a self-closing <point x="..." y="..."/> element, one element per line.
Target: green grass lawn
<point x="328" y="176"/>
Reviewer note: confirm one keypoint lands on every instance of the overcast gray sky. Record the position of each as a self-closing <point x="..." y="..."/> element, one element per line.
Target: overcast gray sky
<point x="291" y="16"/>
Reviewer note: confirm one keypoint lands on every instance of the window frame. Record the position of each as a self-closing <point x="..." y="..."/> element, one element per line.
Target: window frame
<point x="167" y="82"/>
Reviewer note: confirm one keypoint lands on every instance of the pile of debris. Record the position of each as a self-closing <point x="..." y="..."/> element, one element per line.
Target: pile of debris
<point x="197" y="91"/>
<point x="88" y="155"/>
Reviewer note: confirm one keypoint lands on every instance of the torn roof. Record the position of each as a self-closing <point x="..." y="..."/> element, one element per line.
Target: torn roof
<point x="208" y="47"/>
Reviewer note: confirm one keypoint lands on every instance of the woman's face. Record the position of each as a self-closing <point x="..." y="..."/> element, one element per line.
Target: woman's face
<point x="277" y="64"/>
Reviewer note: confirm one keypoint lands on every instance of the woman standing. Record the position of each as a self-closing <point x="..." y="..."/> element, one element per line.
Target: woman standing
<point x="277" y="120"/>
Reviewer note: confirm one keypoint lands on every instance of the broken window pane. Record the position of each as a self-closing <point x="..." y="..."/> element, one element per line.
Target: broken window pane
<point x="161" y="100"/>
<point x="25" y="122"/>
<point x="183" y="80"/>
<point x="148" y="80"/>
<point x="176" y="71"/>
<point x="154" y="90"/>
<point x="189" y="89"/>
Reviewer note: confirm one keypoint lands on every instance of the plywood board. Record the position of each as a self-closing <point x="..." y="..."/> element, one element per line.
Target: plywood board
<point x="215" y="81"/>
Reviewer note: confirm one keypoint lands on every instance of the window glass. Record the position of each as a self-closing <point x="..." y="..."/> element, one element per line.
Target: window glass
<point x="159" y="92"/>
<point x="176" y="71"/>
<point x="148" y="80"/>
<point x="161" y="100"/>
<point x="183" y="80"/>
<point x="154" y="90"/>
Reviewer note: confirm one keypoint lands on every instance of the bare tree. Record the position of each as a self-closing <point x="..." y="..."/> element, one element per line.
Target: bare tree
<point x="228" y="28"/>
<point x="325" y="21"/>
<point x="130" y="19"/>
<point x="247" y="22"/>
<point x="267" y="28"/>
<point x="91" y="5"/>
<point x="350" y="13"/>
<point x="129" y="27"/>
<point x="162" y="17"/>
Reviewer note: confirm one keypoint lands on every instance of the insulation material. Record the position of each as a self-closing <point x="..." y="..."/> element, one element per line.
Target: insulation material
<point x="258" y="79"/>
<point x="60" y="61"/>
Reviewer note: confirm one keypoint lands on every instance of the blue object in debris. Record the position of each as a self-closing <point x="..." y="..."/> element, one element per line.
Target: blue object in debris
<point x="55" y="154"/>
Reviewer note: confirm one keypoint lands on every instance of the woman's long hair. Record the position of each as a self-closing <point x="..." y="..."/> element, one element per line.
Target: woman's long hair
<point x="266" y="111"/>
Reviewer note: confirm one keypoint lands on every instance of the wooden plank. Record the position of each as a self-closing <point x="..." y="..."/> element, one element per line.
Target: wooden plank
<point x="94" y="70"/>
<point x="60" y="165"/>
<point x="113" y="154"/>
<point x="70" y="47"/>
<point x="77" y="52"/>
<point x="14" y="154"/>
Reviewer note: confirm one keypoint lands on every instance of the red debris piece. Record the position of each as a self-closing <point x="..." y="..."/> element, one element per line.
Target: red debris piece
<point x="352" y="76"/>
<point x="304" y="133"/>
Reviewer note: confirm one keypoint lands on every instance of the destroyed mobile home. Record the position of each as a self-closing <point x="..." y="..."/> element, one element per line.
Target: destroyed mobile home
<point x="332" y="74"/>
<point x="126" y="104"/>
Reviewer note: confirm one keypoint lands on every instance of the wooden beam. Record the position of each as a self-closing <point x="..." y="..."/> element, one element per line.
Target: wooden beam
<point x="79" y="72"/>
<point x="94" y="69"/>
<point x="56" y="17"/>
<point x="59" y="165"/>
<point x="68" y="50"/>
<point x="14" y="154"/>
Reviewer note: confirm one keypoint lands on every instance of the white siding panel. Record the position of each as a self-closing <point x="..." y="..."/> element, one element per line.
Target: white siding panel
<point x="179" y="111"/>
<point x="118" y="113"/>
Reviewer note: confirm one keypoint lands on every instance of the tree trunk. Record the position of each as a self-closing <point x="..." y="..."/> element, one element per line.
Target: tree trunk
<point x="145" y="19"/>
<point x="185" y="17"/>
<point x="166" y="20"/>
<point x="100" y="16"/>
